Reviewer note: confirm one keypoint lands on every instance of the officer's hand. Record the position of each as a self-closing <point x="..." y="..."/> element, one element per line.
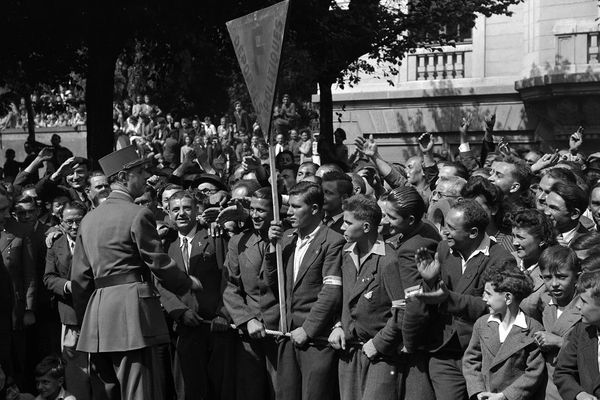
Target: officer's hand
<point x="28" y="318"/>
<point x="219" y="324"/>
<point x="275" y="231"/>
<point x="256" y="329"/>
<point x="369" y="349"/>
<point x="299" y="337"/>
<point x="337" y="339"/>
<point x="190" y="318"/>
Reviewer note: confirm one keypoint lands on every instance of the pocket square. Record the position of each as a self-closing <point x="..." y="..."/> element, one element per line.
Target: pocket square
<point x="368" y="295"/>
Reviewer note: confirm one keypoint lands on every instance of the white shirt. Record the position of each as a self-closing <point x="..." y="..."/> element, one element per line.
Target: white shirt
<point x="503" y="332"/>
<point x="484" y="248"/>
<point x="567" y="237"/>
<point x="378" y="248"/>
<point x="302" y="245"/>
<point x="189" y="237"/>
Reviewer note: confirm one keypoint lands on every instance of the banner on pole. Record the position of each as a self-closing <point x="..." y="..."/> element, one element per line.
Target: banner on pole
<point x="258" y="39"/>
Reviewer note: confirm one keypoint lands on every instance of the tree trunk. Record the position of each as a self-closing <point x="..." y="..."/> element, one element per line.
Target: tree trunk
<point x="326" y="121"/>
<point x="103" y="49"/>
<point x="30" y="117"/>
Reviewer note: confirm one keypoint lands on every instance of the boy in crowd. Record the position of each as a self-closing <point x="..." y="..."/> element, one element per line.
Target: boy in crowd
<point x="49" y="379"/>
<point x="577" y="373"/>
<point x="559" y="269"/>
<point x="503" y="360"/>
<point x="373" y="300"/>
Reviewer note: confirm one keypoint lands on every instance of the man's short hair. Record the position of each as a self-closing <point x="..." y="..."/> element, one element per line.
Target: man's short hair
<point x="309" y="192"/>
<point x="74" y="205"/>
<point x="265" y="193"/>
<point x="51" y="365"/>
<point x="183" y="194"/>
<point x="573" y="196"/>
<point x="561" y="174"/>
<point x="251" y="185"/>
<point x="406" y="201"/>
<point x="461" y="170"/>
<point x="479" y="186"/>
<point x="312" y="164"/>
<point x="508" y="277"/>
<point x="364" y="209"/>
<point x="455" y="184"/>
<point x="358" y="181"/>
<point x="343" y="182"/>
<point x="474" y="215"/>
<point x="170" y="186"/>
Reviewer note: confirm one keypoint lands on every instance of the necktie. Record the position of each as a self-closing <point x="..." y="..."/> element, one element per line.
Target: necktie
<point x="72" y="247"/>
<point x="186" y="255"/>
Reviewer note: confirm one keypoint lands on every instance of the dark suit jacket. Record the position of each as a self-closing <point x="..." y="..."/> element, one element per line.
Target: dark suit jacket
<point x="247" y="295"/>
<point x="515" y="367"/>
<point x="373" y="300"/>
<point x="206" y="264"/>
<point x="577" y="367"/>
<point x="581" y="230"/>
<point x="455" y="317"/>
<point x="58" y="272"/>
<point x="120" y="237"/>
<point x="314" y="300"/>
<point x="416" y="313"/>
<point x="17" y="257"/>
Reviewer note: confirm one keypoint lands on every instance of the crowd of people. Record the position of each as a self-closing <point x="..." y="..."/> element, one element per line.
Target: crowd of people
<point x="469" y="275"/>
<point x="56" y="108"/>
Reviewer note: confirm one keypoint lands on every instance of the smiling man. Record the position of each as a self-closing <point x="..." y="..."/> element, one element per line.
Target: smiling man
<point x="252" y="304"/>
<point x="453" y="281"/>
<point x="564" y="206"/>
<point x="74" y="172"/>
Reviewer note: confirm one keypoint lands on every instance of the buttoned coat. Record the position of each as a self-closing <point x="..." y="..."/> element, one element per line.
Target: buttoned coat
<point x="577" y="368"/>
<point x="373" y="300"/>
<point x="17" y="257"/>
<point x="311" y="302"/>
<point x="464" y="304"/>
<point x="414" y="319"/>
<point x="515" y="368"/>
<point x="57" y="274"/>
<point x="206" y="263"/>
<point x="560" y="326"/>
<point x="120" y="237"/>
<point x="247" y="295"/>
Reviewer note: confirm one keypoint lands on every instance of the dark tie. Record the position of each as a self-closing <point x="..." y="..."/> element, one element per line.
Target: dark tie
<point x="186" y="255"/>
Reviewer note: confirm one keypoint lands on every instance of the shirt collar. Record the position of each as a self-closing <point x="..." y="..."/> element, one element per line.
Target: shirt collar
<point x="378" y="248"/>
<point x="310" y="236"/>
<point x="336" y="217"/>
<point x="568" y="236"/>
<point x="520" y="320"/>
<point x="483" y="248"/>
<point x="189" y="236"/>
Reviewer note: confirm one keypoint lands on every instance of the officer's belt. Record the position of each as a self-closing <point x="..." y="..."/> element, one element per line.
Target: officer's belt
<point x="118" y="279"/>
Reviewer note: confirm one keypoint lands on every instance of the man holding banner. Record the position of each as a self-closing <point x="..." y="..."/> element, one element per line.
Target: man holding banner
<point x="312" y="257"/>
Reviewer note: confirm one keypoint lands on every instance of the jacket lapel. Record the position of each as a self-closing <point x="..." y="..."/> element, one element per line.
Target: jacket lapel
<point x="365" y="277"/>
<point x="63" y="253"/>
<point x="175" y="254"/>
<point x="491" y="338"/>
<point x="516" y="340"/>
<point x="311" y="255"/>
<point x="5" y="240"/>
<point x="470" y="272"/>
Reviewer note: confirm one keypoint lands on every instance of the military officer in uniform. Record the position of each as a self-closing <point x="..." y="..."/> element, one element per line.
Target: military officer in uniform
<point x="116" y="253"/>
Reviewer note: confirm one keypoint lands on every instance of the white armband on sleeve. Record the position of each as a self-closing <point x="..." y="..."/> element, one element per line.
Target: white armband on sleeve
<point x="332" y="280"/>
<point x="401" y="303"/>
<point x="464" y="147"/>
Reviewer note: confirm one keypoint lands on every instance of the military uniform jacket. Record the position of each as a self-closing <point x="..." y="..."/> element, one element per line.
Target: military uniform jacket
<point x="456" y="316"/>
<point x="373" y="298"/>
<point x="247" y="294"/>
<point x="58" y="272"/>
<point x="115" y="238"/>
<point x="17" y="257"/>
<point x="206" y="264"/>
<point x="313" y="300"/>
